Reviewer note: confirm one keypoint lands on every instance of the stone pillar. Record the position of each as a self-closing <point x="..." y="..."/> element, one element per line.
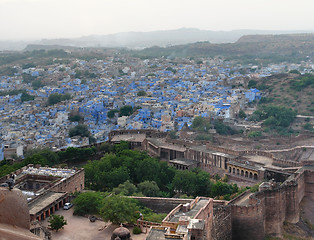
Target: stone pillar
<point x="44" y="215"/>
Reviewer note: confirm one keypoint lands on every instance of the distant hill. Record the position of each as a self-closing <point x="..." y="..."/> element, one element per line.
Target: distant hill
<point x="268" y="48"/>
<point x="140" y="40"/>
<point x="32" y="47"/>
<point x="157" y="38"/>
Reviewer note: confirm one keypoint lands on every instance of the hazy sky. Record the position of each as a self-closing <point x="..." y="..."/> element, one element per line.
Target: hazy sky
<point x="37" y="19"/>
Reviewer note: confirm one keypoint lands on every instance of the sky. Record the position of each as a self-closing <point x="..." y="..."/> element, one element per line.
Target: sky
<point x="39" y="19"/>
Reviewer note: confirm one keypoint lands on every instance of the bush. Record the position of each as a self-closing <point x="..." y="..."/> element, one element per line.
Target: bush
<point x="254" y="134"/>
<point x="137" y="230"/>
<point x="308" y="126"/>
<point x="242" y="114"/>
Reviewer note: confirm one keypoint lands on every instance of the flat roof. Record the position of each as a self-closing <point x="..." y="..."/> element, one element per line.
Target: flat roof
<point x="196" y="224"/>
<point x="156" y="234"/>
<point x="201" y="203"/>
<point x="244" y="165"/>
<point x="260" y="159"/>
<point x="225" y="155"/>
<point x="43" y="201"/>
<point x="129" y="138"/>
<point x="159" y="143"/>
<point x="183" y="161"/>
<point x="201" y="148"/>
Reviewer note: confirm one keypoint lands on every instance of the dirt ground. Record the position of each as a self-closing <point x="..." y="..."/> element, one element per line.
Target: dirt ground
<point x="80" y="228"/>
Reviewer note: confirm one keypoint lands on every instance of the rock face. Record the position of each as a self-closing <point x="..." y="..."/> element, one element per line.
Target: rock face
<point x="14" y="215"/>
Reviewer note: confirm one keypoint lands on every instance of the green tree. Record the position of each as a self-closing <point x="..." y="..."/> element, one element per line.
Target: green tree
<point x="141" y="93"/>
<point x="118" y="209"/>
<point x="185" y="182"/>
<point x="253" y="134"/>
<point x="88" y="203"/>
<point x="252" y="84"/>
<point x="223" y="129"/>
<point x="36" y="84"/>
<point x="201" y="124"/>
<point x="149" y="189"/>
<point x="26" y="97"/>
<point x="57" y="97"/>
<point x="112" y="112"/>
<point x="126" y="110"/>
<point x="295" y="72"/>
<point x="203" y="184"/>
<point x="221" y="189"/>
<point x="127" y="188"/>
<point x="76" y="117"/>
<point x="56" y="222"/>
<point x="242" y="114"/>
<point x="79" y="130"/>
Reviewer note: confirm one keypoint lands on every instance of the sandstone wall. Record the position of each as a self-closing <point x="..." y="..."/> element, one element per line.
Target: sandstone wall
<point x="222" y="224"/>
<point x="71" y="184"/>
<point x="248" y="221"/>
<point x="161" y="205"/>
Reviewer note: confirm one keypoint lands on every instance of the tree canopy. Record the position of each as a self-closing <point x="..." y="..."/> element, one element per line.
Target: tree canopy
<point x="201" y="124"/>
<point x="79" y="130"/>
<point x="118" y="209"/>
<point x="88" y="203"/>
<point x="57" y="97"/>
<point x="56" y="222"/>
<point x="126" y="110"/>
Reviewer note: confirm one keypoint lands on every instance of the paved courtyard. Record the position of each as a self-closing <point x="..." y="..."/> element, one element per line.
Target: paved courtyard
<point x="80" y="228"/>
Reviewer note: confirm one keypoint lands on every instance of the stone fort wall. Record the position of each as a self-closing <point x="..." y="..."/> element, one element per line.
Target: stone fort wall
<point x="267" y="210"/>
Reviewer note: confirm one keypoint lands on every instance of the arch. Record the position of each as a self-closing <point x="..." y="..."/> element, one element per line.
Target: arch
<point x="251" y="175"/>
<point x="246" y="174"/>
<point x="238" y="171"/>
<point x="229" y="169"/>
<point x="233" y="170"/>
<point x="242" y="173"/>
<point x="255" y="176"/>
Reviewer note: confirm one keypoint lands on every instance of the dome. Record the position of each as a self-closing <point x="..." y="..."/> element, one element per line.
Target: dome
<point x="121" y="233"/>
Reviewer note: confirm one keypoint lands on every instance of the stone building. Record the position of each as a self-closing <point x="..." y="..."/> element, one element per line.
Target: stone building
<point x="47" y="189"/>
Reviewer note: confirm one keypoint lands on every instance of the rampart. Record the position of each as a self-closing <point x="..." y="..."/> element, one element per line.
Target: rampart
<point x="161" y="205"/>
<point x="248" y="221"/>
<point x="222" y="224"/>
<point x="266" y="210"/>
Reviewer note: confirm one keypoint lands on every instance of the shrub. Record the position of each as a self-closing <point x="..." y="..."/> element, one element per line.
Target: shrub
<point x="137" y="230"/>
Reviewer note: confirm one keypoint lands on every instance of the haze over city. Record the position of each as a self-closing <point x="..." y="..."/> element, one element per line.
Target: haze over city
<point x="37" y="19"/>
<point x="151" y="120"/>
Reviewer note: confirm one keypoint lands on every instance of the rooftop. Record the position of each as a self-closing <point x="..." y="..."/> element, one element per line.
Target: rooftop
<point x="43" y="201"/>
<point x="191" y="213"/>
<point x="183" y="161"/>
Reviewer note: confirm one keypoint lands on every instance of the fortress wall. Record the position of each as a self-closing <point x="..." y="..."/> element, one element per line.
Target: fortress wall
<point x="292" y="203"/>
<point x="222" y="224"/>
<point x="309" y="184"/>
<point x="300" y="181"/>
<point x="161" y="205"/>
<point x="248" y="221"/>
<point x="284" y="163"/>
<point x="275" y="209"/>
